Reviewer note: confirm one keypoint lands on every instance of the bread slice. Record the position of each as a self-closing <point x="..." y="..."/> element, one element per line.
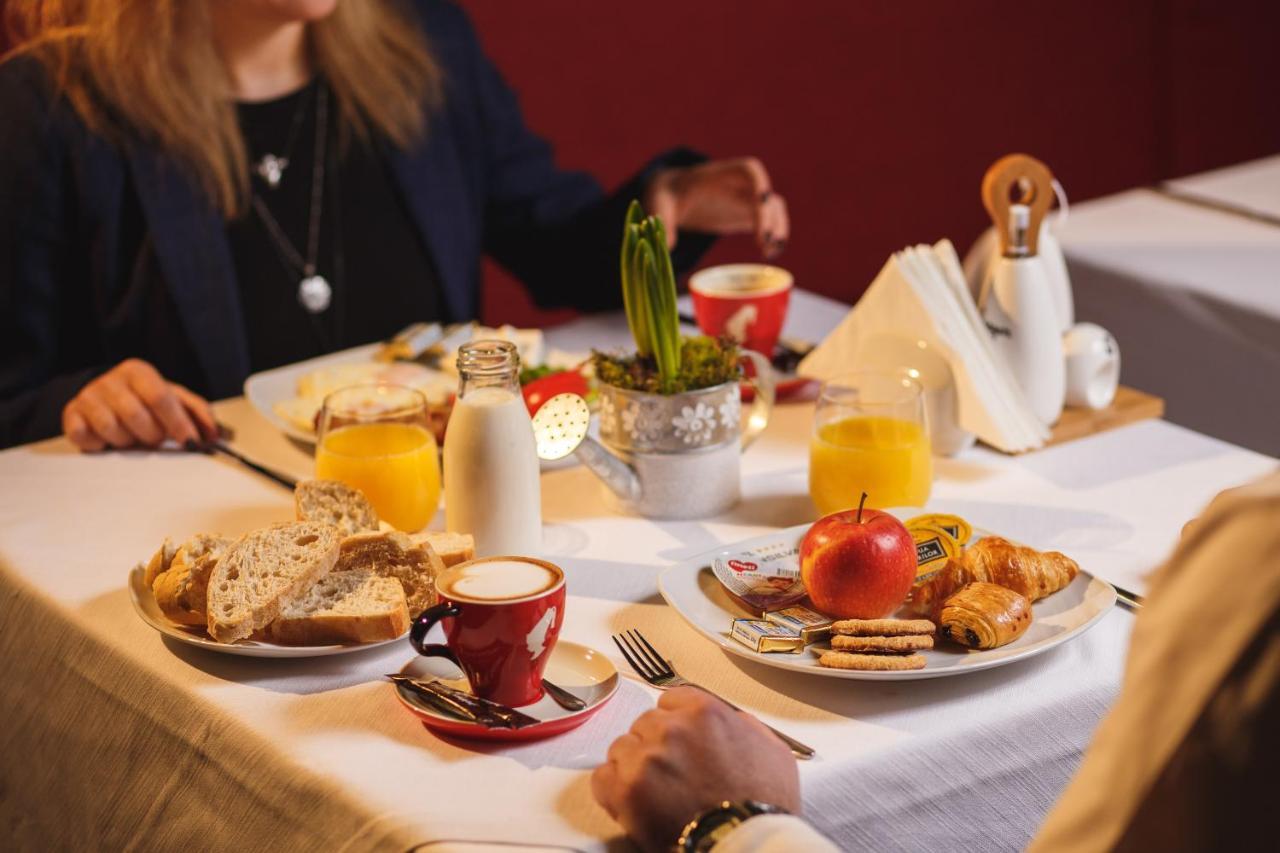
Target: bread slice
<point x="182" y="590"/>
<point x="452" y="548"/>
<point x="394" y="555"/>
<point x="264" y="571"/>
<point x="332" y="502"/>
<point x="343" y="607"/>
<point x="159" y="562"/>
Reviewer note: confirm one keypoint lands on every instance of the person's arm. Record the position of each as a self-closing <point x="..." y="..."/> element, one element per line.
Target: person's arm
<point x="96" y="405"/>
<point x="34" y="259"/>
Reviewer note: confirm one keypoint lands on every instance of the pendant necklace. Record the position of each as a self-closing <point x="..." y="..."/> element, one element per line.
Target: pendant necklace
<point x="314" y="291"/>
<point x="270" y="167"/>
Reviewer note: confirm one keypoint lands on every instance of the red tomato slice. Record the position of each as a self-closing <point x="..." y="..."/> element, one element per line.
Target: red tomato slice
<point x="541" y="390"/>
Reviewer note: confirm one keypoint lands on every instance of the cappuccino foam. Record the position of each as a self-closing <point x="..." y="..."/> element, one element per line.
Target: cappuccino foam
<point x="497" y="580"/>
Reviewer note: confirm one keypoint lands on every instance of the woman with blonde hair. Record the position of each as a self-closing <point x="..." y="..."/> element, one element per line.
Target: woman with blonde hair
<point x="192" y="190"/>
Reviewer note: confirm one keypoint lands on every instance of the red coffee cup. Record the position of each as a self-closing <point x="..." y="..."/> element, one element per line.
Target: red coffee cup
<point x="747" y="302"/>
<point x="501" y="618"/>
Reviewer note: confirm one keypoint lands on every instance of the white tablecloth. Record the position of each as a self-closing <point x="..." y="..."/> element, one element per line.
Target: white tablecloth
<point x="1253" y="187"/>
<point x="970" y="763"/>
<point x="1192" y="294"/>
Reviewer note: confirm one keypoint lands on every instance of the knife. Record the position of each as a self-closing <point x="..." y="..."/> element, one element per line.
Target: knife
<point x="465" y="705"/>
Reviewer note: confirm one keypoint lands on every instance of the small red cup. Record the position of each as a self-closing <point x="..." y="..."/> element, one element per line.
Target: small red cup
<point x="748" y="302"/>
<point x="502" y="642"/>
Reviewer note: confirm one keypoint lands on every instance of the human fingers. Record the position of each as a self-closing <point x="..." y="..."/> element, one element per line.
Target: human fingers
<point x="77" y="430"/>
<point x="162" y="401"/>
<point x="777" y="226"/>
<point x="199" y="409"/>
<point x="761" y="189"/>
<point x="130" y="411"/>
<point x="661" y="202"/>
<point x="92" y="404"/>
<point x="604" y="787"/>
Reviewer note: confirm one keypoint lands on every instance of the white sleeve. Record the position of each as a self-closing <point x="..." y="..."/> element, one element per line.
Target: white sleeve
<point x="775" y="833"/>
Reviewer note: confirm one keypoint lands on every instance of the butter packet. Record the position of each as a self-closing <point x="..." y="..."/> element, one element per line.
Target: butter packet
<point x="761" y="636"/>
<point x="934" y="547"/>
<point x="764" y="578"/>
<point x="960" y="530"/>
<point x="811" y="625"/>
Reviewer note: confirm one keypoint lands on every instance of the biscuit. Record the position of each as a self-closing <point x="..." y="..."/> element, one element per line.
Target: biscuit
<point x="882" y="627"/>
<point x="871" y="663"/>
<point x="910" y="643"/>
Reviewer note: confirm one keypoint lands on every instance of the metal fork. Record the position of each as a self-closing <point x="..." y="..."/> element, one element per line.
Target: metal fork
<point x="650" y="665"/>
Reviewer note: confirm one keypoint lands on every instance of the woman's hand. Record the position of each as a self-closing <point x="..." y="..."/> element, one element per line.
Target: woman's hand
<point x="132" y="404"/>
<point x="689" y="754"/>
<point x="721" y="197"/>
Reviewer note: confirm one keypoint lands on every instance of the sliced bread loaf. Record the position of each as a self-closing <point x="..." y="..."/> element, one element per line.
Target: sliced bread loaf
<point x="343" y="607"/>
<point x="264" y="571"/>
<point x="452" y="548"/>
<point x="335" y="503"/>
<point x="394" y="555"/>
<point x="182" y="590"/>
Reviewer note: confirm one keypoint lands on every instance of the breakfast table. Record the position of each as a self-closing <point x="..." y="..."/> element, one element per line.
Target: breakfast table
<point x="114" y="736"/>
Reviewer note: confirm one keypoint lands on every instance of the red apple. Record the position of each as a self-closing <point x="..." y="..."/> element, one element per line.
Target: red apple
<point x="858" y="564"/>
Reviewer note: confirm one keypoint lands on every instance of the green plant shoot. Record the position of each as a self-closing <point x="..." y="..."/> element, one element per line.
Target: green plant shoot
<point x="649" y="292"/>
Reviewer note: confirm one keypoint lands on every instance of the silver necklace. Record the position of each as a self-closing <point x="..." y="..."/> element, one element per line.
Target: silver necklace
<point x="269" y="166"/>
<point x="314" y="291"/>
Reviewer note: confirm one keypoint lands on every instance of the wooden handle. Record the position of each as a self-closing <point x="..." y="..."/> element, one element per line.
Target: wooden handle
<point x="1017" y="179"/>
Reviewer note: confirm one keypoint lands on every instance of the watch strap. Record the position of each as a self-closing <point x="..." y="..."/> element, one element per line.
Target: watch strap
<point x="710" y="826"/>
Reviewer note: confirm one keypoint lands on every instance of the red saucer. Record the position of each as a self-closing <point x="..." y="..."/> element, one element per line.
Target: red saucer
<point x="581" y="670"/>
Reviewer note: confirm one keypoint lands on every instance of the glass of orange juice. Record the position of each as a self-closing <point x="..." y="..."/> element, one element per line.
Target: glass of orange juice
<point x="377" y="438"/>
<point x="869" y="435"/>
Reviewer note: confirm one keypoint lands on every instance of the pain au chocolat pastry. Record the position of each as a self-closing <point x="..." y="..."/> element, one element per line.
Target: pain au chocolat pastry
<point x="1028" y="572"/>
<point x="984" y="616"/>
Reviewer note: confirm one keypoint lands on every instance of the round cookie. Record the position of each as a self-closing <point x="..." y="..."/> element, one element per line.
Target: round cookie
<point x="871" y="663"/>
<point x="909" y="643"/>
<point x="882" y="627"/>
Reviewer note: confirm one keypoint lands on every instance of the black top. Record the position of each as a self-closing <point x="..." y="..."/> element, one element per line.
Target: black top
<point x="368" y="249"/>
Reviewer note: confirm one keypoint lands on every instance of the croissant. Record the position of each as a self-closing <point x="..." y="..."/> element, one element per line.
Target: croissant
<point x="984" y="616"/>
<point x="1031" y="573"/>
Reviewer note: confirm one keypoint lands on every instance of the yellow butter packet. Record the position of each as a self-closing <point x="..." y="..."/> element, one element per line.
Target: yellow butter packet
<point x="934" y="546"/>
<point x="960" y="530"/>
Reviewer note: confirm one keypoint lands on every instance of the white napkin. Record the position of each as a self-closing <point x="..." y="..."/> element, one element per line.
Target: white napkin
<point x="921" y="293"/>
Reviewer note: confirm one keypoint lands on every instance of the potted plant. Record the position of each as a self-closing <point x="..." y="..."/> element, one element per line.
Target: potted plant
<point x="672" y="409"/>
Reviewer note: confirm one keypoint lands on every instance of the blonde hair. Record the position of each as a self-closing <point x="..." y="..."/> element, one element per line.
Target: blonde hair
<point x="148" y="70"/>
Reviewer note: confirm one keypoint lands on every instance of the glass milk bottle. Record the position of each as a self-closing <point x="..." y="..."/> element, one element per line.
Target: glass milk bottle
<point x="491" y="486"/>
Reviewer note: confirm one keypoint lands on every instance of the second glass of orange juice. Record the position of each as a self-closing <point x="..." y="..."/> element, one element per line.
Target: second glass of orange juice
<point x="377" y="438"/>
<point x="870" y="436"/>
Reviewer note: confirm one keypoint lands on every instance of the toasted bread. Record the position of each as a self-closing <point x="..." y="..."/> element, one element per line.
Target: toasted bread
<point x="355" y="606"/>
<point x="264" y="571"/>
<point x="332" y="502"/>
<point x="394" y="555"/>
<point x="452" y="548"/>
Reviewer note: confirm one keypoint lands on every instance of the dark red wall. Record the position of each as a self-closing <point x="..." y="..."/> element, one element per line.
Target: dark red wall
<point x="878" y="119"/>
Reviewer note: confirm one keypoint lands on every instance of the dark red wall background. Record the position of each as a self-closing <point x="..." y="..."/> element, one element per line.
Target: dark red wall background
<point x="878" y="119"/>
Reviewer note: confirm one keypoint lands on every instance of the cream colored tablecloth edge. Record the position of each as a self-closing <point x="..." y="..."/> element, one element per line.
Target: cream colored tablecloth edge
<point x="152" y="765"/>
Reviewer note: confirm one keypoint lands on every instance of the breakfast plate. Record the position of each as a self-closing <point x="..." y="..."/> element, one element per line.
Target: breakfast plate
<point x="693" y="591"/>
<point x="581" y="670"/>
<point x="272" y="392"/>
<point x="144" y="603"/>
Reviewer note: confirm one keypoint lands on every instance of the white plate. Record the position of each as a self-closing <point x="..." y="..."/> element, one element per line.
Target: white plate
<point x="145" y="603"/>
<point x="269" y="387"/>
<point x="692" y="589"/>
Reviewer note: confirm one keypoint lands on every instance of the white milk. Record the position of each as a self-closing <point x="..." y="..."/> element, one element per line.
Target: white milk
<point x="497" y="581"/>
<point x="491" y="487"/>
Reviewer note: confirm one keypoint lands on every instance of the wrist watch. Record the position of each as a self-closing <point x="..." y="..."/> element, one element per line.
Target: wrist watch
<point x="711" y="826"/>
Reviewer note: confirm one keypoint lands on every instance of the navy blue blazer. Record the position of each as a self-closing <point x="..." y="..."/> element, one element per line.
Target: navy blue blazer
<point x="480" y="183"/>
